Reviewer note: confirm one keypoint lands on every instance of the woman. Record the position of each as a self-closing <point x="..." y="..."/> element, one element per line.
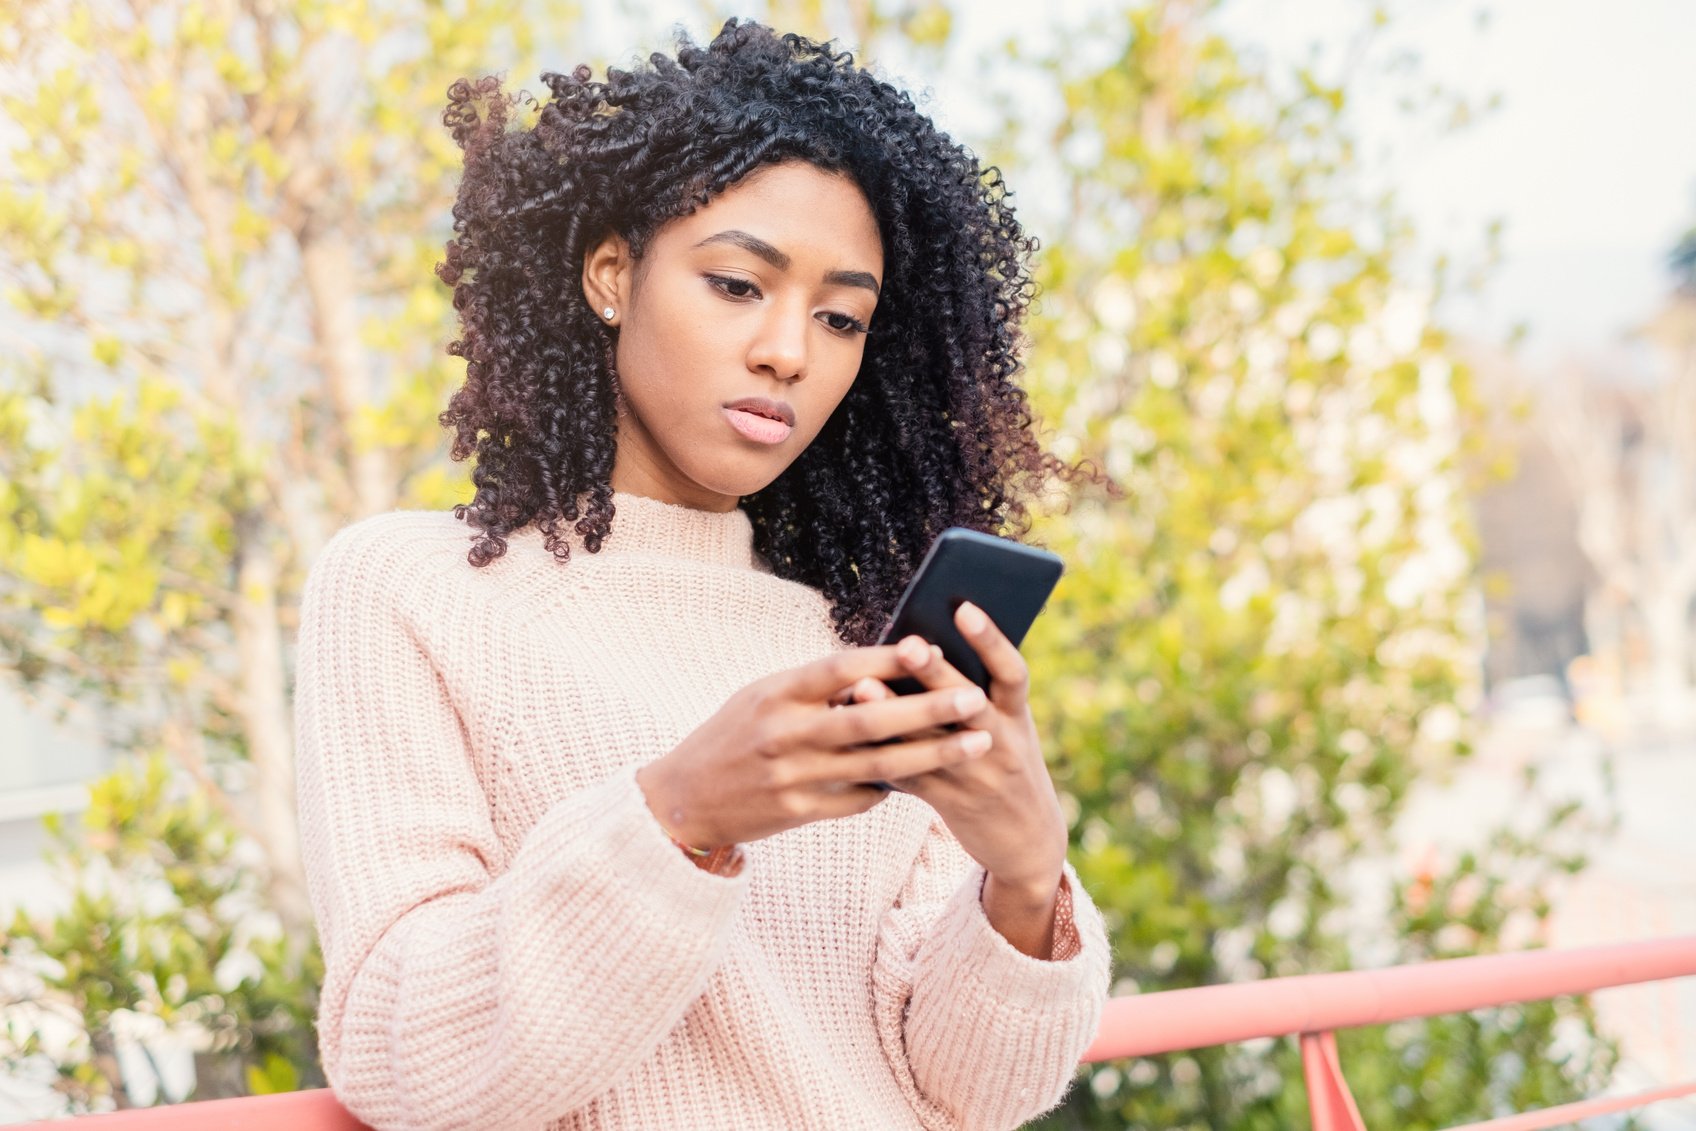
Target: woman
<point x="583" y="807"/>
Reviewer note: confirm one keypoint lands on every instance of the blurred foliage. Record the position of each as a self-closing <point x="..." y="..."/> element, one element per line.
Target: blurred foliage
<point x="166" y="930"/>
<point x="1265" y="643"/>
<point x="868" y="27"/>
<point x="1437" y="1072"/>
<point x="223" y="341"/>
<point x="218" y="231"/>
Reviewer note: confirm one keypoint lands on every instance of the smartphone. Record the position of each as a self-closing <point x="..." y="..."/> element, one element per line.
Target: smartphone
<point x="1007" y="580"/>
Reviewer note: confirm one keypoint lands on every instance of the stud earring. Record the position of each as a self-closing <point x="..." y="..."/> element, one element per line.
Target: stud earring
<point x="608" y="313"/>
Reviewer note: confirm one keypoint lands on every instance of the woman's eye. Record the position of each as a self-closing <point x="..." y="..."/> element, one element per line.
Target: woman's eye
<point x="735" y="288"/>
<point x="845" y="324"/>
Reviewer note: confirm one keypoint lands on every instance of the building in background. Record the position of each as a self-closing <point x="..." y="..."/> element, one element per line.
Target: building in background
<point x="46" y="768"/>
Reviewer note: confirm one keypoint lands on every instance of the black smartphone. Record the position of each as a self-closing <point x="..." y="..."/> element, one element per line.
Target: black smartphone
<point x="1007" y="580"/>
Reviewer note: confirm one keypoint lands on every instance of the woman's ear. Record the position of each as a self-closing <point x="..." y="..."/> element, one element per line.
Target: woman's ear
<point x="606" y="277"/>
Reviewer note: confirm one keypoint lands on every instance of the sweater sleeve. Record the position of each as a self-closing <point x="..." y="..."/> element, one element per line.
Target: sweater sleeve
<point x="979" y="1034"/>
<point x="465" y="986"/>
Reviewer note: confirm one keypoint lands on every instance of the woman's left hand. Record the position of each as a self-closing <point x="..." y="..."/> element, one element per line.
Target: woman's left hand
<point x="1002" y="806"/>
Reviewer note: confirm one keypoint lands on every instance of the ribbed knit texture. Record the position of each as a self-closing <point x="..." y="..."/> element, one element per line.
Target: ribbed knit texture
<point x="510" y="939"/>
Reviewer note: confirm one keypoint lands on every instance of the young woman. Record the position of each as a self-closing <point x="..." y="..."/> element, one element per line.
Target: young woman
<point x="583" y="806"/>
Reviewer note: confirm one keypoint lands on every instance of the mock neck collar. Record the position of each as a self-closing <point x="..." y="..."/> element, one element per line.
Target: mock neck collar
<point x="641" y="525"/>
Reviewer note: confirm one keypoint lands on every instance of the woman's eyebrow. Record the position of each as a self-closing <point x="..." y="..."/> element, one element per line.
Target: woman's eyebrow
<point x="749" y="242"/>
<point x="853" y="279"/>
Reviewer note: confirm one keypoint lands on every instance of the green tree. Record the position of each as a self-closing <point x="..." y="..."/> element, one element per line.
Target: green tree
<point x="167" y="924"/>
<point x="1268" y="640"/>
<point x="218" y="222"/>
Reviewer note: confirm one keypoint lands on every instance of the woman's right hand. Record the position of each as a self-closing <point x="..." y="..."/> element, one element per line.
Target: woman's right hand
<point x="782" y="752"/>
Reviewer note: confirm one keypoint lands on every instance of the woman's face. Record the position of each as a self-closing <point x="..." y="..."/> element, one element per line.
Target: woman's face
<point x="739" y="332"/>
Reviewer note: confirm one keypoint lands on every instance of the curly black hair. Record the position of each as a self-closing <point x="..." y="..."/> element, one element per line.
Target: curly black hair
<point x="933" y="432"/>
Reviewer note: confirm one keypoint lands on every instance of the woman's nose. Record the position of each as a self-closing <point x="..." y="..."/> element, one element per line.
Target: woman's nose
<point x="780" y="344"/>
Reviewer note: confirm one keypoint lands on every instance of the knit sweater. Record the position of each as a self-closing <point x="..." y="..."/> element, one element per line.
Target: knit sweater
<point x="510" y="939"/>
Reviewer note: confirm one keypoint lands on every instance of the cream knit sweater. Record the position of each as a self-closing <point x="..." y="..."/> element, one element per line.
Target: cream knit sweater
<point x="510" y="939"/>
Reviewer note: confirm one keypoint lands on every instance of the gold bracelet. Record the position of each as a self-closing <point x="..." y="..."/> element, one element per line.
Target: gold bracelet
<point x="689" y="848"/>
<point x="725" y="860"/>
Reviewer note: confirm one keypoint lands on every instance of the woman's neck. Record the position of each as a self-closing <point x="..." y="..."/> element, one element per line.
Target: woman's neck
<point x="641" y="468"/>
<point x="649" y="526"/>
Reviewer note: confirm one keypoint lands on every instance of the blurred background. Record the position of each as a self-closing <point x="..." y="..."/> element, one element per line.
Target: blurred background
<point x="1383" y="314"/>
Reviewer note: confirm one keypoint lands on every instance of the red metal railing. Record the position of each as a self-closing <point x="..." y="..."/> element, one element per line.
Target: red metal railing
<point x="1314" y="1006"/>
<point x="1311" y="1007"/>
<point x="316" y="1110"/>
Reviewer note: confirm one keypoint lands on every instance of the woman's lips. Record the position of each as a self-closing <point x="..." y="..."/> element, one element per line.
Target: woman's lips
<point x="761" y="419"/>
<point x="760" y="429"/>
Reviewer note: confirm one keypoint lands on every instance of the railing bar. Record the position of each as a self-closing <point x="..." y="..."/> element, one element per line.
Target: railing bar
<point x="1584" y="1109"/>
<point x="1172" y="1020"/>
<point x="310" y="1110"/>
<point x="1329" y="1102"/>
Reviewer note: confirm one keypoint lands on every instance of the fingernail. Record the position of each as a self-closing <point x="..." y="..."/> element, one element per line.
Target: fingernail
<point x="975" y="741"/>
<point x="969" y="702"/>
<point x="914" y="651"/>
<point x="971" y="617"/>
